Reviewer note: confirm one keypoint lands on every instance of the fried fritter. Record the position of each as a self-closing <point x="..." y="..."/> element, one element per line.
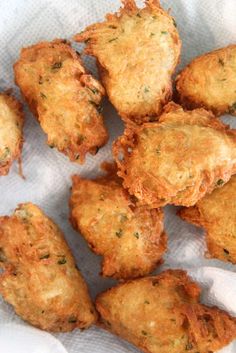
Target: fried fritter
<point x="63" y="96"/>
<point x="40" y="278"/>
<point x="209" y="81"/>
<point x="178" y="159"/>
<point x="162" y="314"/>
<point x="216" y="213"/>
<point x="11" y="131"/>
<point x="137" y="51"/>
<point x="130" y="238"/>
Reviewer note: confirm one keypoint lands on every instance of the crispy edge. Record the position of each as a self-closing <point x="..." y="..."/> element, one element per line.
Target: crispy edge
<point x="111" y="175"/>
<point x="122" y="146"/>
<point x="190" y="102"/>
<point x="17" y="107"/>
<point x="85" y="79"/>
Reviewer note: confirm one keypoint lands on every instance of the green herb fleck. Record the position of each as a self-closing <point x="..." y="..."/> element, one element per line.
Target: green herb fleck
<point x="123" y="217"/>
<point x="119" y="233"/>
<point x="72" y="320"/>
<point x="232" y="109"/>
<point x="152" y="34"/>
<point x="146" y="89"/>
<point x="154" y="17"/>
<point x="221" y="62"/>
<point x="220" y="182"/>
<point x="5" y="154"/>
<point x="174" y="22"/>
<point x="188" y="346"/>
<point x="112" y="40"/>
<point x="56" y="65"/>
<point x="94" y="90"/>
<point x="112" y="26"/>
<point x="42" y="95"/>
<point x="138" y="15"/>
<point x="146" y="302"/>
<point x="136" y="234"/>
<point x="40" y="80"/>
<point x="46" y="256"/>
<point x="62" y="261"/>
<point x="144" y="333"/>
<point x="226" y="251"/>
<point x="164" y="32"/>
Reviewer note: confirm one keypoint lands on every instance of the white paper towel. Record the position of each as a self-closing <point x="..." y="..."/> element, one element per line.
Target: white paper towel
<point x="203" y="25"/>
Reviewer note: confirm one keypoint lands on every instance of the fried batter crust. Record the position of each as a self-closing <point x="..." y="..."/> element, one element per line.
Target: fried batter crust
<point x="137" y="51"/>
<point x="130" y="238"/>
<point x="162" y="314"/>
<point x="216" y="213"/>
<point x="209" y="81"/>
<point x="63" y="96"/>
<point x="178" y="159"/>
<point x="40" y="278"/>
<point x="11" y="131"/>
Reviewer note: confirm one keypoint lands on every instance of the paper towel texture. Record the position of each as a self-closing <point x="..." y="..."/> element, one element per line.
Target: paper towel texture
<point x="203" y="25"/>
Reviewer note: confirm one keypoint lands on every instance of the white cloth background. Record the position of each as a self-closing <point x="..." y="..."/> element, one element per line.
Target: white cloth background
<point x="203" y="25"/>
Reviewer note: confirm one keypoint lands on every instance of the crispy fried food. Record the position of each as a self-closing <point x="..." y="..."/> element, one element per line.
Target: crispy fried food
<point x="130" y="238"/>
<point x="11" y="131"/>
<point x="162" y="314"/>
<point x="178" y="159"/>
<point x="209" y="81"/>
<point x="216" y="213"/>
<point x="137" y="51"/>
<point x="63" y="96"/>
<point x="40" y="278"/>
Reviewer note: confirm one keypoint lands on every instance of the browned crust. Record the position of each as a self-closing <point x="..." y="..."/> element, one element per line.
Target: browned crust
<point x="192" y="102"/>
<point x="17" y="107"/>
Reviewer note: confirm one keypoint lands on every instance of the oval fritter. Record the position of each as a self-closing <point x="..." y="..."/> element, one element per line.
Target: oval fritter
<point x="137" y="51"/>
<point x="40" y="278"/>
<point x="63" y="96"/>
<point x="130" y="238"/>
<point x="11" y="131"/>
<point x="178" y="159"/>
<point x="162" y="314"/>
<point x="216" y="213"/>
<point x="209" y="81"/>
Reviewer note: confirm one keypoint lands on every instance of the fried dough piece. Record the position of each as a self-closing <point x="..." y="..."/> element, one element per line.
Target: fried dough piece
<point x="178" y="159"/>
<point x="162" y="314"/>
<point x="40" y="278"/>
<point x="63" y="96"/>
<point x="216" y="213"/>
<point x="130" y="238"/>
<point x="11" y="131"/>
<point x="209" y="81"/>
<point x="137" y="51"/>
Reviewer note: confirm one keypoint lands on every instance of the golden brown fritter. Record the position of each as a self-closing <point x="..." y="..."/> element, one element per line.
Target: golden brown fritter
<point x="11" y="131"/>
<point x="40" y="278"/>
<point x="137" y="51"/>
<point x="130" y="238"/>
<point x="63" y="96"/>
<point x="178" y="159"/>
<point x="209" y="81"/>
<point x="162" y="314"/>
<point x="216" y="213"/>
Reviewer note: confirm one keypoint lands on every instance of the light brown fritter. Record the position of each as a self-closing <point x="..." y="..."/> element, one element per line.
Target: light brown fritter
<point x="209" y="81"/>
<point x="11" y="131"/>
<point x="130" y="238"/>
<point x="137" y="51"/>
<point x="162" y="314"/>
<point x="216" y="213"/>
<point x="177" y="160"/>
<point x="63" y="96"/>
<point x="40" y="279"/>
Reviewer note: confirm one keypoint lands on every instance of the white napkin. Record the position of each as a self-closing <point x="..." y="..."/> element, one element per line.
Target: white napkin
<point x="203" y="25"/>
